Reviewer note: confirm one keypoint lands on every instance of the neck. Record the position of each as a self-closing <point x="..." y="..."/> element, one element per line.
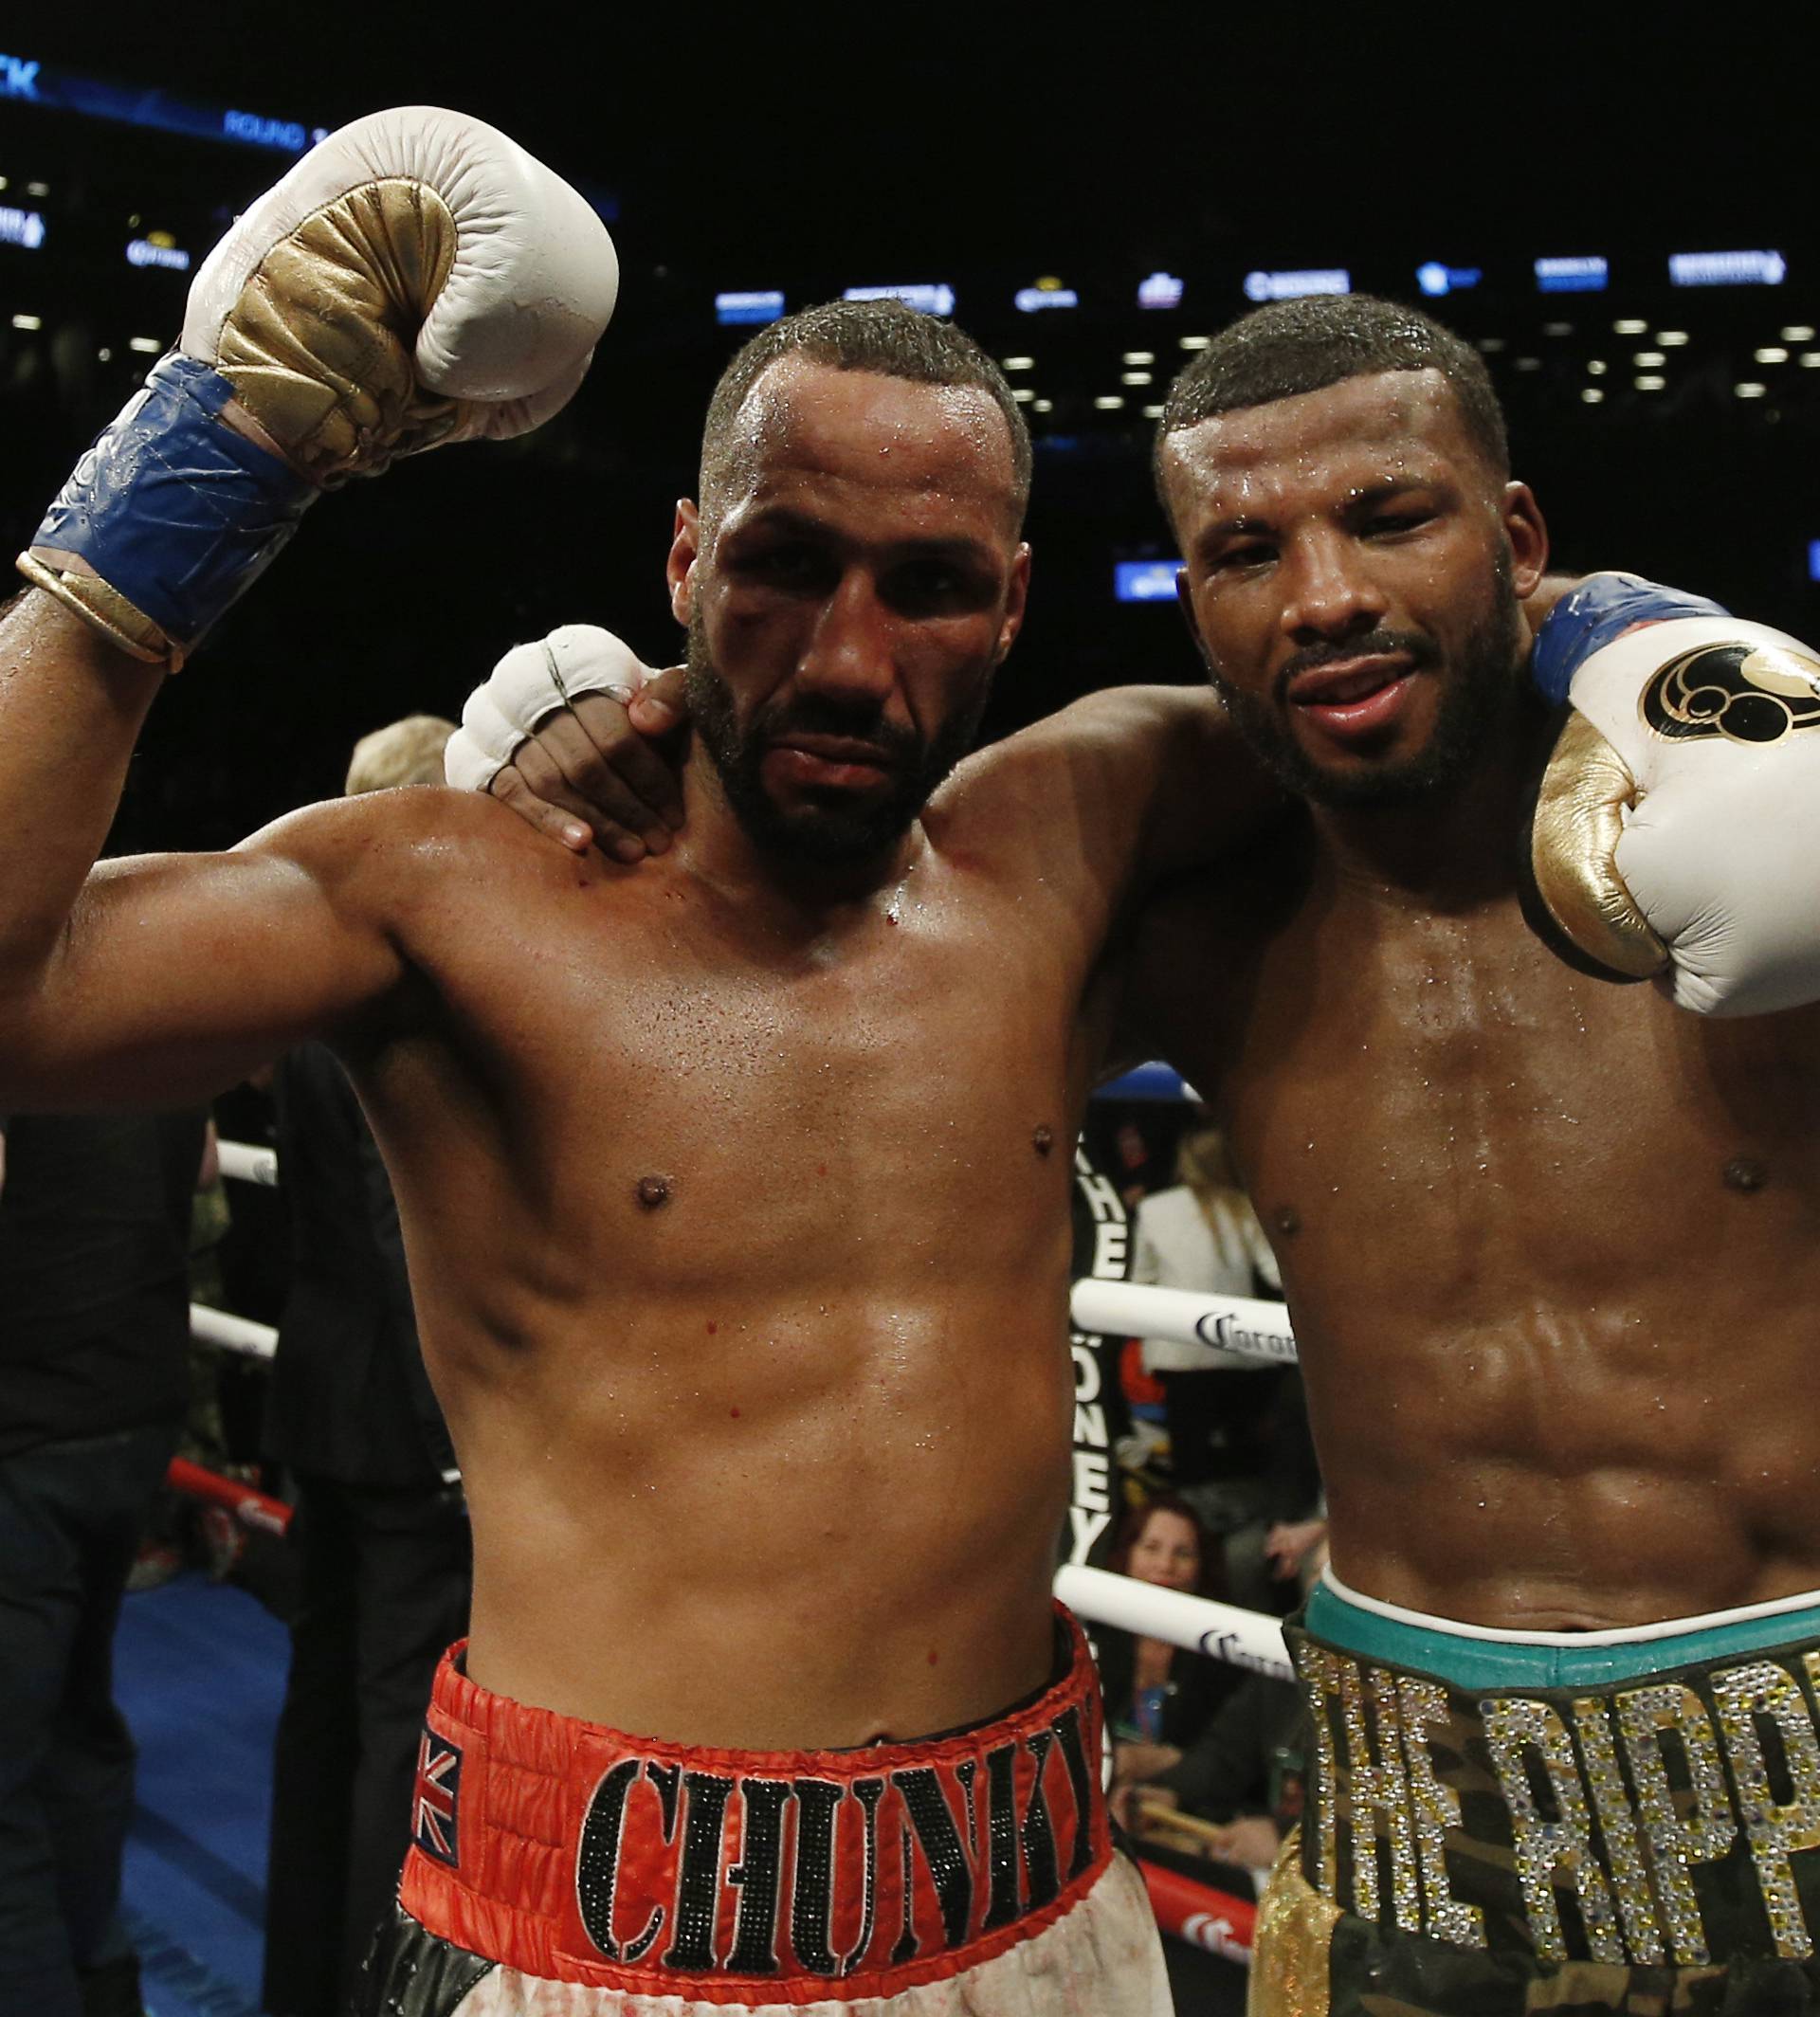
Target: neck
<point x="1461" y="843"/>
<point x="791" y="895"/>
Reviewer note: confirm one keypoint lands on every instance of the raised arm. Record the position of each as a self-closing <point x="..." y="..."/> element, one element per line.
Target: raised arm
<point x="161" y="979"/>
<point x="416" y="279"/>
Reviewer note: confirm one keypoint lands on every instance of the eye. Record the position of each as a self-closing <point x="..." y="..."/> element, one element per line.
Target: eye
<point x="787" y="565"/>
<point x="933" y="587"/>
<point x="1391" y="522"/>
<point x="1247" y="554"/>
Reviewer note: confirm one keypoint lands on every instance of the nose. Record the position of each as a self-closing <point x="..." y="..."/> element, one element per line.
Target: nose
<point x="852" y="650"/>
<point x="1332" y="593"/>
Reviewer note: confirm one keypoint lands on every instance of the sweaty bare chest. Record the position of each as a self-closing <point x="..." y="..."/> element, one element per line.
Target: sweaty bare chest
<point x="717" y="1094"/>
<point x="1444" y="1095"/>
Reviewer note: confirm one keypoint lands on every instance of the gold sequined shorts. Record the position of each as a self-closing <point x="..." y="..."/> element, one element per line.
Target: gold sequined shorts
<point x="1550" y="1821"/>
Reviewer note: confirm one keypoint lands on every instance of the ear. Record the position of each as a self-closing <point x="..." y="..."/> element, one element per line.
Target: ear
<point x="685" y="548"/>
<point x="1528" y="535"/>
<point x="1017" y="596"/>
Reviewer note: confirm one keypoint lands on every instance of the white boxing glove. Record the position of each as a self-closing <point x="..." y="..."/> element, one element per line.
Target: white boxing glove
<point x="528" y="685"/>
<point x="415" y="278"/>
<point x="1676" y="835"/>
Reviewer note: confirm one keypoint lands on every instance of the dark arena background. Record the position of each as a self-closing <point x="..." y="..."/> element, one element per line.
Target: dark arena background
<point x="1623" y="226"/>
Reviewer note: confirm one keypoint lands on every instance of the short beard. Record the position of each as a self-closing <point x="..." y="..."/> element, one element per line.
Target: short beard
<point x="833" y="834"/>
<point x="1471" y="707"/>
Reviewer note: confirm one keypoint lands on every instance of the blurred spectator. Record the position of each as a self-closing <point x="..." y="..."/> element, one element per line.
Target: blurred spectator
<point x="1158" y="1697"/>
<point x="1239" y="1452"/>
<point x="94" y="1382"/>
<point x="380" y="1524"/>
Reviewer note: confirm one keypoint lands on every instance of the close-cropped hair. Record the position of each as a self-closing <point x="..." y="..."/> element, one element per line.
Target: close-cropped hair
<point x="885" y="336"/>
<point x="1304" y="346"/>
<point x="402" y="752"/>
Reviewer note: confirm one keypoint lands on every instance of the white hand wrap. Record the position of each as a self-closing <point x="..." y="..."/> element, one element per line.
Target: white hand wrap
<point x="528" y="685"/>
<point x="1678" y="833"/>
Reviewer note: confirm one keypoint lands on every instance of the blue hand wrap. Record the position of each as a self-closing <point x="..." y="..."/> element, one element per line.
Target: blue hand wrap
<point x="172" y="507"/>
<point x="1588" y="618"/>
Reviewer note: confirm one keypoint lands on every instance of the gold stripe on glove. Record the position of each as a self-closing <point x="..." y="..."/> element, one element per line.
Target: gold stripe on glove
<point x="319" y="345"/>
<point x="1579" y="821"/>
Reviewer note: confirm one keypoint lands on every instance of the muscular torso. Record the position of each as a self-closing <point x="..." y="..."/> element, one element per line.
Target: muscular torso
<point x="741" y="1267"/>
<point x="1551" y="1246"/>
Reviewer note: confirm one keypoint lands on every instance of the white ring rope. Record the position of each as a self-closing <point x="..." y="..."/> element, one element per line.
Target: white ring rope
<point x="1246" y="1639"/>
<point x="237" y="1334"/>
<point x="249" y="1162"/>
<point x="1244" y="1324"/>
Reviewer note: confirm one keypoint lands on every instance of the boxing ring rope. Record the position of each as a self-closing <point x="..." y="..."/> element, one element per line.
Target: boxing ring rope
<point x="1244" y="1324"/>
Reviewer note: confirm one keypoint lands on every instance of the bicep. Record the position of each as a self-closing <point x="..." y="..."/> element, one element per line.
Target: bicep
<point x="177" y="974"/>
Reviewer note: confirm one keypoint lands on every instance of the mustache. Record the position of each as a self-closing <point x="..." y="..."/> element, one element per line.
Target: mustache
<point x="820" y="715"/>
<point x="1411" y="645"/>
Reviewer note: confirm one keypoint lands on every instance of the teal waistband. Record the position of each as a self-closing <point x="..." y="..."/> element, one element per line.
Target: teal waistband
<point x="1489" y="1664"/>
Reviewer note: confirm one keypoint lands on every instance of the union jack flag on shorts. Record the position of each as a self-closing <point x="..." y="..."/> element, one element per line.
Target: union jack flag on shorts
<point x="432" y="1807"/>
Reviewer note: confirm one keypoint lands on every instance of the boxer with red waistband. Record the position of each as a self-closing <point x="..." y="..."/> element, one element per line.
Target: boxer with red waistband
<point x="735" y="1187"/>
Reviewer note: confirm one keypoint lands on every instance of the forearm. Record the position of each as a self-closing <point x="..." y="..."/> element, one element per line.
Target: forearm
<point x="71" y="706"/>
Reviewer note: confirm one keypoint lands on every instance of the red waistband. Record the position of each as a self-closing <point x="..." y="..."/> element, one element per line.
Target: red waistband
<point x="578" y="1854"/>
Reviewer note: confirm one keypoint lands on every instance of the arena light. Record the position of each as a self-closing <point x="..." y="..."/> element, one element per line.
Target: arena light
<point x="1528" y="364"/>
<point x="1811" y="360"/>
<point x="38" y="190"/>
<point x="1022" y="393"/>
<point x="1195" y="342"/>
<point x="149" y="251"/>
<point x="20" y="227"/>
<point x="1648" y="359"/>
<point x="1155" y="412"/>
<point x="150" y="346"/>
<point x="934" y="297"/>
<point x="1749" y="389"/>
<point x="1592" y="394"/>
<point x="1292" y="286"/>
<point x="1436" y="279"/>
<point x="1048" y="292"/>
<point x="1557" y="329"/>
<point x="1648" y="383"/>
<point x="1136" y="377"/>
<point x="1770" y="354"/>
<point x="1109" y="402"/>
<point x="754" y="305"/>
<point x="1630" y="326"/>
<point x="1672" y="338"/>
<point x="1042" y="406"/>
<point x="1144" y="580"/>
<point x="1159" y="290"/>
<point x="28" y="321"/>
<point x="1727" y="270"/>
<point x="1141" y="356"/>
<point x="1582" y="273"/>
<point x="1018" y="364"/>
<point x="1491" y="345"/>
<point x="1597" y="367"/>
<point x="104" y="355"/>
<point x="1796" y="333"/>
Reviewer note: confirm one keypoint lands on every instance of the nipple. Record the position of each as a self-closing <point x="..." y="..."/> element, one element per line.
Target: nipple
<point x="653" y="1192"/>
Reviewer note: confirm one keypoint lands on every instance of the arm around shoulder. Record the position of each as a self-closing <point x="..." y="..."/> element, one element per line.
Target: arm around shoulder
<point x="1157" y="778"/>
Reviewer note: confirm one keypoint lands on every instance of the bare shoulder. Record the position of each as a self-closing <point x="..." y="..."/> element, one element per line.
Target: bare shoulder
<point x="383" y="851"/>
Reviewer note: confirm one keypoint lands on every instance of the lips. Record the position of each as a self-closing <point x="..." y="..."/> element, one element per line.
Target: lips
<point x="830" y="763"/>
<point x="1332" y="685"/>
